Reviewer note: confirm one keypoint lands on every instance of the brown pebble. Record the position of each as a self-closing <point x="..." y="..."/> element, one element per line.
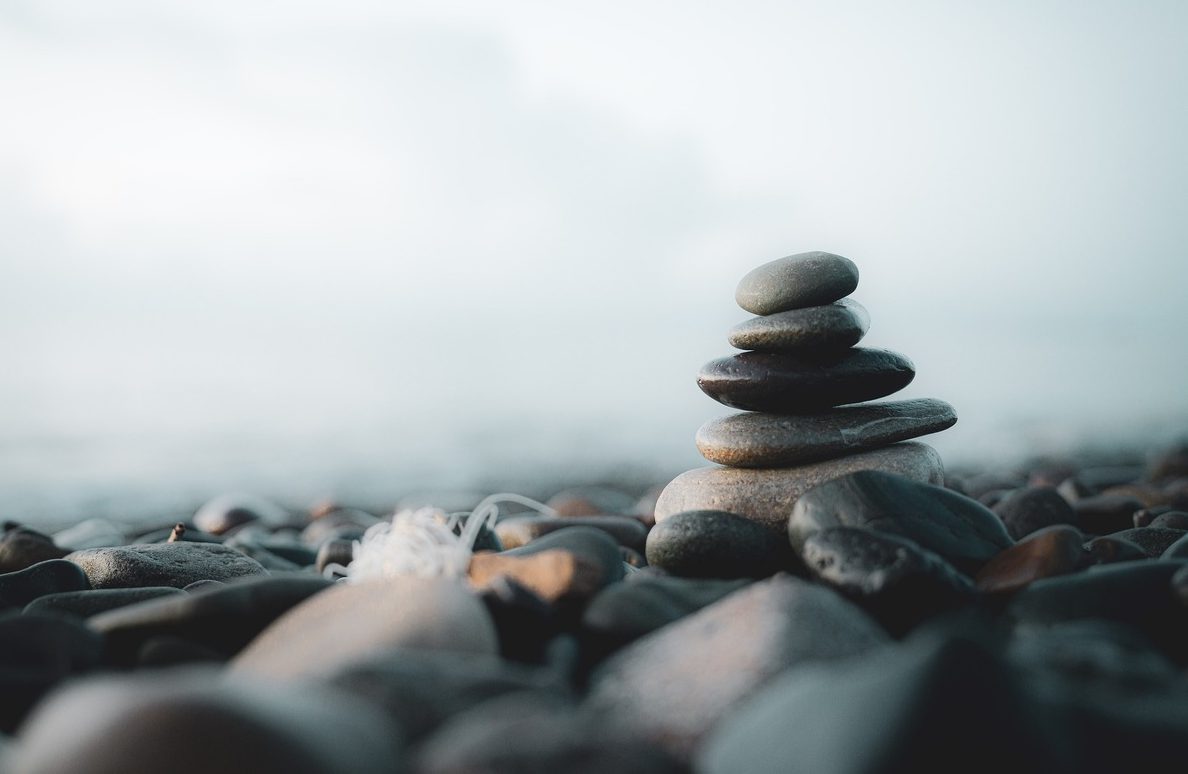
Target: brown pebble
<point x="552" y="575"/>
<point x="1045" y="553"/>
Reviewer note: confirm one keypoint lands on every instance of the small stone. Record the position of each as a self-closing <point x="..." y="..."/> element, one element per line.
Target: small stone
<point x="84" y="604"/>
<point x="348" y="621"/>
<point x="516" y="531"/>
<point x="756" y="440"/>
<point x="228" y="511"/>
<point x="223" y="618"/>
<point x="796" y="281"/>
<point x="1025" y="511"/>
<point x="1169" y="520"/>
<point x="896" y="581"/>
<point x="767" y="495"/>
<point x="591" y="501"/>
<point x="524" y="623"/>
<point x="1110" y="549"/>
<point x="162" y="564"/>
<point x="624" y="612"/>
<point x="91" y="533"/>
<point x="593" y="546"/>
<point x="1152" y="540"/>
<point x="1169" y="465"/>
<point x="19" y="588"/>
<point x="22" y="547"/>
<point x="717" y="544"/>
<point x="674" y="685"/>
<point x="1045" y="553"/>
<point x="195" y="723"/>
<point x="962" y="531"/>
<point x="835" y="326"/>
<point x="798" y="384"/>
<point x="1105" y="514"/>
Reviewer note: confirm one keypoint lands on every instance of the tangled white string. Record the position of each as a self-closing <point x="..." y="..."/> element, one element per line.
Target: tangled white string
<point x="422" y="541"/>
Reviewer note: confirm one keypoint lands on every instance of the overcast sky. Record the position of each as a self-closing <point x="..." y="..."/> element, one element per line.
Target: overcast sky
<point x="444" y="229"/>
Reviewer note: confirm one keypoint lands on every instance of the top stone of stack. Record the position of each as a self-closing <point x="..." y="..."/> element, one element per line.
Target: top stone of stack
<point x="795" y="282"/>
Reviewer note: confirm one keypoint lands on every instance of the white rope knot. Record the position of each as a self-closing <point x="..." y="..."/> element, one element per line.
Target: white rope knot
<point x="422" y="541"/>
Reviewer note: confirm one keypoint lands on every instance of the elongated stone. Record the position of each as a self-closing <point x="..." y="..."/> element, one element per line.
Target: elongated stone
<point x="767" y="495"/>
<point x="798" y="384"/>
<point x="756" y="440"/>
<point x="835" y="326"/>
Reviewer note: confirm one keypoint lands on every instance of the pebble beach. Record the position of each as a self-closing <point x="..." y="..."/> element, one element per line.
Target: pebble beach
<point x="823" y="596"/>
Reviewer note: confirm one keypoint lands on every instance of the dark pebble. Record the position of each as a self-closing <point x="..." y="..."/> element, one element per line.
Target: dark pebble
<point x="1152" y="540"/>
<point x="962" y="531"/>
<point x="84" y="604"/>
<point x="1170" y="520"/>
<point x="1111" y="549"/>
<point x="1105" y="514"/>
<point x="21" y="547"/>
<point x="340" y="552"/>
<point x="1177" y="550"/>
<point x="896" y="581"/>
<point x="19" y="588"/>
<point x="796" y="281"/>
<point x="521" y="530"/>
<point x="835" y="326"/>
<point x="716" y="544"/>
<point x="1024" y="511"/>
<point x="37" y="653"/>
<point x="790" y="384"/>
<point x="1046" y="553"/>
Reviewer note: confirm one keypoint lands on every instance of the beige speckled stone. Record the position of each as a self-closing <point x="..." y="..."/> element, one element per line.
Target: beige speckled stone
<point x="766" y="495"/>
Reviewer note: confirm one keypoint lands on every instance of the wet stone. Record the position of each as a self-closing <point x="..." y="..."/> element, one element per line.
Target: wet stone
<point x="162" y="564"/>
<point x="835" y="326"/>
<point x="798" y="384"/>
<point x="1105" y="514"/>
<point x="962" y="531"/>
<point x="717" y="544"/>
<point x="757" y="440"/>
<point x="767" y="495"/>
<point x="796" y="281"/>
<point x="1045" y="553"/>
<point x="1025" y="511"/>
<point x="896" y="581"/>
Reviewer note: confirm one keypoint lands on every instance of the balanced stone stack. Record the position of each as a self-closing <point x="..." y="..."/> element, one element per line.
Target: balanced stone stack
<point x="801" y="382"/>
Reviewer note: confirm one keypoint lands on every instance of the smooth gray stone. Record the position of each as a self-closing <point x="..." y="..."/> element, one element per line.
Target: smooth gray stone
<point x="162" y="564"/>
<point x="716" y="544"/>
<point x="782" y="383"/>
<point x="766" y="495"/>
<point x="84" y="604"/>
<point x="755" y="440"/>
<point x="350" y="621"/>
<point x="674" y="685"/>
<point x="839" y="325"/>
<point x="644" y="603"/>
<point x="190" y="721"/>
<point x="1153" y="540"/>
<point x="796" y="281"/>
<point x="962" y="531"/>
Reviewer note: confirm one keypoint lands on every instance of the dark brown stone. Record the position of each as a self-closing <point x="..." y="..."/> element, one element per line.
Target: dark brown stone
<point x="1045" y="553"/>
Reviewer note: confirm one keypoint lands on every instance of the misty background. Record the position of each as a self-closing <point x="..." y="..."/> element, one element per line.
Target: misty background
<point x="355" y="248"/>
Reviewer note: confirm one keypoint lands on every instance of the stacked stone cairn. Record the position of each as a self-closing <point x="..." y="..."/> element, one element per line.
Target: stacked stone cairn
<point x="801" y="383"/>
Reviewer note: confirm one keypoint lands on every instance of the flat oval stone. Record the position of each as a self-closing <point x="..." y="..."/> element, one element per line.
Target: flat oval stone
<point x="84" y="604"/>
<point x="961" y="530"/>
<point x="756" y="440"/>
<point x="52" y="576"/>
<point x="717" y="544"/>
<point x="892" y="578"/>
<point x="22" y="547"/>
<point x="162" y="564"/>
<point x="796" y="281"/>
<point x="349" y="621"/>
<point x="675" y="684"/>
<point x="766" y="495"/>
<point x="798" y="384"/>
<point x="839" y="325"/>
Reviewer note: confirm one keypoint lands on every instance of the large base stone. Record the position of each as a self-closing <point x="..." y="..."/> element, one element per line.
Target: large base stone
<point x="766" y="495"/>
